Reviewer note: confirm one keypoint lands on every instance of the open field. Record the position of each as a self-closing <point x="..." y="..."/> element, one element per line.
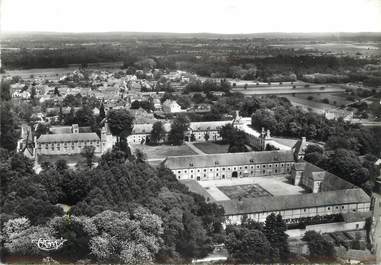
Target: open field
<point x="334" y="99"/>
<point x="244" y="191"/>
<point x="162" y="151"/>
<point x="307" y="105"/>
<point x="212" y="148"/>
<point x="348" y="47"/>
<point x="56" y="73"/>
<point x="286" y="90"/>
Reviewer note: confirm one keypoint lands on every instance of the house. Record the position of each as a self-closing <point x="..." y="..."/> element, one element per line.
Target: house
<point x="171" y="106"/>
<point x="335" y="114"/>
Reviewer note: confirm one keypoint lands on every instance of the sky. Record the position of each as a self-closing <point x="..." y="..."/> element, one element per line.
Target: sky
<point x="191" y="16"/>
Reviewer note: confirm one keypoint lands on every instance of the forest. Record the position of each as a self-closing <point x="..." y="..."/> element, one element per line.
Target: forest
<point x="168" y="223"/>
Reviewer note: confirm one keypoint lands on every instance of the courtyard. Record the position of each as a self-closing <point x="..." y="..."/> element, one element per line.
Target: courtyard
<point x="252" y="187"/>
<point x="160" y="152"/>
<point x="244" y="191"/>
<point x="212" y="148"/>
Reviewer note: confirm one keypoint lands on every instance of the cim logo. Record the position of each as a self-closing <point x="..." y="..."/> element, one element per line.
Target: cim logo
<point x="49" y="244"/>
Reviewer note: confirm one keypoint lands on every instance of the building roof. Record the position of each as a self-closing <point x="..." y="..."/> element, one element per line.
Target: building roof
<point x="328" y="180"/>
<point x="229" y="159"/>
<point x="146" y="128"/>
<point x="279" y="203"/>
<point x="67" y="137"/>
<point x="207" y="125"/>
<point x="68" y="129"/>
<point x="195" y="187"/>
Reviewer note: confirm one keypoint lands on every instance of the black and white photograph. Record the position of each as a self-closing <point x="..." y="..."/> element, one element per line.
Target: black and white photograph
<point x="190" y="132"/>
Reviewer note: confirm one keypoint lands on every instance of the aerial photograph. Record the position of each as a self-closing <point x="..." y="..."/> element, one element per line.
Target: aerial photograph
<point x="190" y="132"/>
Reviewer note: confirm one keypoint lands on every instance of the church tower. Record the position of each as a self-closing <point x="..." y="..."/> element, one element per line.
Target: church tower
<point x="375" y="233"/>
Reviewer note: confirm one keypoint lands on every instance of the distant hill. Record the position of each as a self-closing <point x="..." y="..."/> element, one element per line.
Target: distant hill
<point x="358" y="36"/>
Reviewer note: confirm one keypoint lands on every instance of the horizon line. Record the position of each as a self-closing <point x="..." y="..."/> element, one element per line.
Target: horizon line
<point x="205" y="33"/>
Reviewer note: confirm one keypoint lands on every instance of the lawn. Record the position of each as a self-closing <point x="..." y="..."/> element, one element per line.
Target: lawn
<point x="162" y="151"/>
<point x="244" y="191"/>
<point x="212" y="148"/>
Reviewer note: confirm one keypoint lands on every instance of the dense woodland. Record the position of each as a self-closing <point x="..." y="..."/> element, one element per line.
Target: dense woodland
<point x="177" y="225"/>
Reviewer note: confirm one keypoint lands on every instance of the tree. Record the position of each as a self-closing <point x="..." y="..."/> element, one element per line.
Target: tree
<point x="88" y="153"/>
<point x="120" y="123"/>
<point x="157" y="133"/>
<point x="320" y="249"/>
<point x="41" y="129"/>
<point x="135" y="104"/>
<point x="102" y="113"/>
<point x="178" y="128"/>
<point x="206" y="136"/>
<point x="275" y="231"/>
<point x="8" y="139"/>
<point x="56" y="91"/>
<point x="5" y="90"/>
<point x="61" y="165"/>
<point x="85" y="117"/>
<point x="248" y="246"/>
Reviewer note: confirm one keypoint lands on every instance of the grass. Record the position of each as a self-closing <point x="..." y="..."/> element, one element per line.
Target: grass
<point x="212" y="148"/>
<point x="162" y="151"/>
<point x="244" y="191"/>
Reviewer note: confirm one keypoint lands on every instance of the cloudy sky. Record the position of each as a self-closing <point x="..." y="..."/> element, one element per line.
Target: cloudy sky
<point x="218" y="16"/>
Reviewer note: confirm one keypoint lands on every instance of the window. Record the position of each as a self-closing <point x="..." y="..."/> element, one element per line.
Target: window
<point x="264" y="171"/>
<point x="264" y="166"/>
<point x="179" y="171"/>
<point x="223" y="169"/>
<point x="245" y="167"/>
<point x="342" y="207"/>
<point x="211" y="170"/>
<point x="270" y="165"/>
<point x="258" y="166"/>
<point x="329" y="208"/>
<point x="204" y="170"/>
<point x="185" y="171"/>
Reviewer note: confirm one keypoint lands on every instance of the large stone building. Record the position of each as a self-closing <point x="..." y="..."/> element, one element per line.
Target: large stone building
<point x="231" y="165"/>
<point x="67" y="140"/>
<point x="323" y="195"/>
<point x="196" y="131"/>
<point x="293" y="208"/>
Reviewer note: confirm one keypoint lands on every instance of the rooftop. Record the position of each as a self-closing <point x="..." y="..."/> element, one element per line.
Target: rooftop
<point x="228" y="159"/>
<point x="67" y="137"/>
<point x="268" y="204"/>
